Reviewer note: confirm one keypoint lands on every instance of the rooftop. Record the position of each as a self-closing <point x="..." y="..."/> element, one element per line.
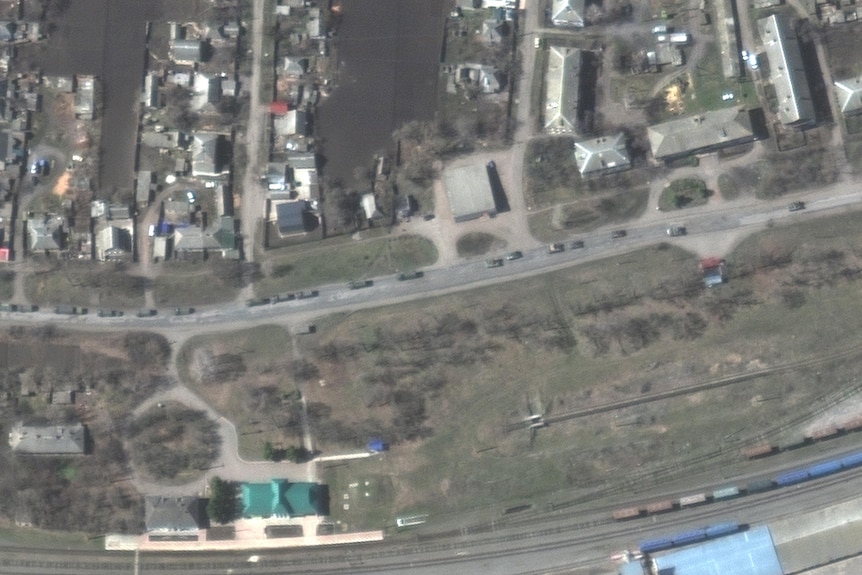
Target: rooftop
<point x="849" y="93"/>
<point x="568" y="13"/>
<point x="748" y="553"/>
<point x="174" y="513"/>
<point x="562" y="82"/>
<point x="703" y="132"/>
<point x="48" y="440"/>
<point x="786" y="70"/>
<point x="469" y="191"/>
<point x="602" y="154"/>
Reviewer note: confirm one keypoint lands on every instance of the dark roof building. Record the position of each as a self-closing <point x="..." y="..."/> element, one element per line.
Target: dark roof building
<point x="48" y="440"/>
<point x="290" y="218"/>
<point x="703" y="133"/>
<point x="602" y="155"/>
<point x="786" y="71"/>
<point x="175" y="513"/>
<point x="11" y="147"/>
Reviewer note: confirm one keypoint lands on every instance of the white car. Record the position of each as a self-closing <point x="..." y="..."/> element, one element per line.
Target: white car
<point x="744" y="54"/>
<point x="727" y="96"/>
<point x="752" y="62"/>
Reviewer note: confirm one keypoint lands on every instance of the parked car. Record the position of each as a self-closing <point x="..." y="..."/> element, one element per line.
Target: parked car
<point x="190" y="196"/>
<point x="514" y="255"/>
<point x="619" y="234"/>
<point x="577" y="244"/>
<point x="556" y="248"/>
<point x="494" y="263"/>
<point x="675" y="231"/>
<point x="796" y="206"/>
<point x="428" y="217"/>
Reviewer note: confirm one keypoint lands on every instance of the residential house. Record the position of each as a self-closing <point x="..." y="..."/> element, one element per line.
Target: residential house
<point x="702" y="133"/>
<point x="68" y="439"/>
<point x="45" y="234"/>
<point x="210" y="155"/>
<point x="369" y="207"/>
<point x="113" y="231"/>
<point x="205" y="91"/>
<point x="280" y="498"/>
<point x="849" y="93"/>
<point x="85" y="97"/>
<point x="313" y="24"/>
<point x="151" y="98"/>
<point x="187" y="51"/>
<point x="485" y="78"/>
<point x="786" y="71"/>
<point x="493" y="31"/>
<point x="11" y="147"/>
<point x="602" y="155"/>
<point x="144" y="186"/>
<point x="562" y="92"/>
<point x="218" y="238"/>
<point x="293" y="218"/>
<point x="293" y="123"/>
<point x="229" y="88"/>
<point x="295" y="67"/>
<point x="568" y="13"/>
<point x="168" y="514"/>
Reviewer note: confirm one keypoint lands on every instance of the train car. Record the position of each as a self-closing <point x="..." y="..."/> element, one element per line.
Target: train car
<point x="689" y="537"/>
<point x="725" y="493"/>
<point x="722" y="529"/>
<point x="824" y="433"/>
<point x="690" y="500"/>
<point x="759" y="485"/>
<point x="792" y="477"/>
<point x="628" y="513"/>
<point x="852" y="460"/>
<point x="653" y="545"/>
<point x="825" y="468"/>
<point x="660" y="506"/>
<point x="756" y="451"/>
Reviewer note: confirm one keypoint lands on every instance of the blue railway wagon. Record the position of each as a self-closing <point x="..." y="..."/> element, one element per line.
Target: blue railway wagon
<point x="721" y="529"/>
<point x="725" y="492"/>
<point x="689" y="537"/>
<point x="792" y="477"/>
<point x="825" y="468"/>
<point x="653" y="545"/>
<point x="852" y="460"/>
<point x="759" y="485"/>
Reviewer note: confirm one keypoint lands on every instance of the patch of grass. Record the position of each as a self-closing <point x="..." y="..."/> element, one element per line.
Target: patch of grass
<point x="560" y="222"/>
<point x="342" y="259"/>
<point x="737" y="182"/>
<point x="186" y="283"/>
<point x="7" y="284"/>
<point x="85" y="284"/>
<point x="478" y="244"/>
<point x="684" y="193"/>
<point x="370" y="494"/>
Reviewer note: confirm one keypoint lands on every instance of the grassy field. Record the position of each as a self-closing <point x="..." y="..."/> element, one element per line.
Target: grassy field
<point x="560" y="222"/>
<point x="342" y="259"/>
<point x="186" y="283"/>
<point x="628" y="326"/>
<point x="85" y="284"/>
<point x="248" y="377"/>
<point x="478" y="244"/>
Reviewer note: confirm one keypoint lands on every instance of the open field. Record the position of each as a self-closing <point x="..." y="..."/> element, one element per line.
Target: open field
<point x="442" y="379"/>
<point x="85" y="284"/>
<point x="478" y="244"/>
<point x="187" y="283"/>
<point x="250" y="378"/>
<point x="559" y="222"/>
<point x="343" y="259"/>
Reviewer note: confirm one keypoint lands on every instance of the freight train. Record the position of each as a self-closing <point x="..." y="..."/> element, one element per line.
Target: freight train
<point x="785" y="479"/>
<point x="688" y="537"/>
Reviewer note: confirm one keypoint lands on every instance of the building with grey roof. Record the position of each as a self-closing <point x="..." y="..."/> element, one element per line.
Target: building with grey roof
<point x="602" y="155"/>
<point x="469" y="191"/>
<point x="702" y="133"/>
<point x="187" y="51"/>
<point x="210" y="154"/>
<point x="174" y="513"/>
<point x="45" y="234"/>
<point x="568" y="13"/>
<point x="85" y="97"/>
<point x="292" y="218"/>
<point x="562" y="90"/>
<point x="144" y="187"/>
<point x="786" y="71"/>
<point x="849" y="94"/>
<point x="70" y="439"/>
<point x="150" y="97"/>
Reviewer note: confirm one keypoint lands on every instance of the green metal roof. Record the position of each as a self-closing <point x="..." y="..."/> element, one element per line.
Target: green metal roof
<point x="278" y="498"/>
<point x="302" y="499"/>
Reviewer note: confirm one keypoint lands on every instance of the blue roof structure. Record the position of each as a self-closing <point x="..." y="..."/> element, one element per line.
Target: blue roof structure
<point x="748" y="553"/>
<point x="632" y="569"/>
